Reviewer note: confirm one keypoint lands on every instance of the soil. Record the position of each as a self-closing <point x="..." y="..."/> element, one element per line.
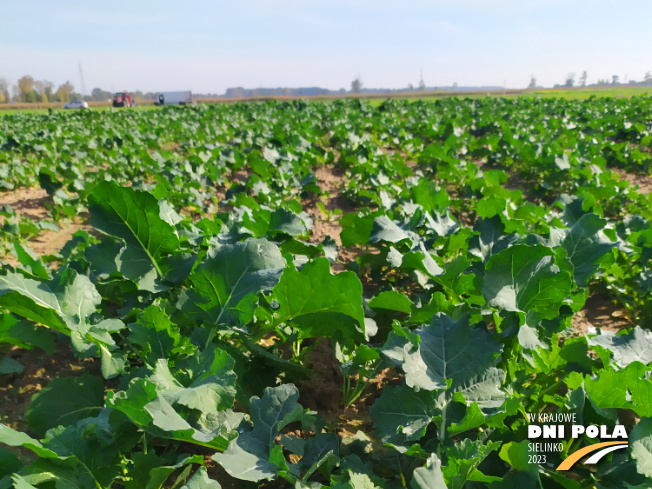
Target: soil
<point x="643" y="181"/>
<point x="332" y="181"/>
<point x="30" y="202"/>
<point x="600" y="313"/>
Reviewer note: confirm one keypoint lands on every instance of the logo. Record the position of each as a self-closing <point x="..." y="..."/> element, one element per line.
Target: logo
<point x="563" y="427"/>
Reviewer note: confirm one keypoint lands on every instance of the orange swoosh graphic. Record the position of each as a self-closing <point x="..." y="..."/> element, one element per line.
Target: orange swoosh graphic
<point x="570" y="461"/>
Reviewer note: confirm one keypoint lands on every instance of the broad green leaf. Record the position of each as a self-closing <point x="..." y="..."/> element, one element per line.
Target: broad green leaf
<point x="15" y="438"/>
<point x="635" y="346"/>
<point x="623" y="389"/>
<point x="25" y="334"/>
<point x="200" y="480"/>
<point x="586" y="244"/>
<point x="640" y="442"/>
<point x="64" y="402"/>
<point x="391" y="300"/>
<point x="135" y="217"/>
<point x="318" y="301"/>
<point x="463" y="459"/>
<point x="231" y="276"/>
<point x="30" y="261"/>
<point x="525" y="279"/>
<point x="448" y="350"/>
<point x="9" y="463"/>
<point x="248" y="456"/>
<point x="401" y="414"/>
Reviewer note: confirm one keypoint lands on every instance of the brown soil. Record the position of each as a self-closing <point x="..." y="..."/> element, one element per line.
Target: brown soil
<point x="28" y="202"/>
<point x="332" y="181"/>
<point x="323" y="391"/>
<point x="643" y="181"/>
<point x="600" y="313"/>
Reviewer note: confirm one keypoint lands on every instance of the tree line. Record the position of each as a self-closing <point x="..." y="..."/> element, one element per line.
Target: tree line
<point x="29" y="90"/>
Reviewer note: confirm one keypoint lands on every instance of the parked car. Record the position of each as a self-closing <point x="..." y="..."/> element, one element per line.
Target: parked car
<point x="76" y="104"/>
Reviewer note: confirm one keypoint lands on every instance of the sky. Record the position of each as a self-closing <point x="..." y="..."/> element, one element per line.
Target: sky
<point x="208" y="46"/>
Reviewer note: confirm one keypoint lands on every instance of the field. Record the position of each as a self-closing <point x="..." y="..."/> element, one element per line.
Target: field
<point x="342" y="294"/>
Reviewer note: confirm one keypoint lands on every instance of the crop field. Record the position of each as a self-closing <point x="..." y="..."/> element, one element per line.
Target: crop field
<point x="327" y="295"/>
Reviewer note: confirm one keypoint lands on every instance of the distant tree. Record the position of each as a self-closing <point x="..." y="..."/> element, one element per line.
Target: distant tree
<point x="410" y="87"/>
<point x="64" y="92"/>
<point x="4" y="90"/>
<point x="647" y="78"/>
<point x="356" y="85"/>
<point x="455" y="86"/>
<point x="533" y="82"/>
<point x="570" y="80"/>
<point x="583" y="79"/>
<point x="26" y="89"/>
<point x="615" y="80"/>
<point x="100" y="95"/>
<point x="44" y="98"/>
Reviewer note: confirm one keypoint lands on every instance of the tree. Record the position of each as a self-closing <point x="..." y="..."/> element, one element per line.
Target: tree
<point x="570" y="80"/>
<point x="64" y="92"/>
<point x="410" y="87"/>
<point x="583" y="79"/>
<point x="647" y="78"/>
<point x="615" y="80"/>
<point x="356" y="85"/>
<point x="26" y="89"/>
<point x="533" y="82"/>
<point x="4" y="90"/>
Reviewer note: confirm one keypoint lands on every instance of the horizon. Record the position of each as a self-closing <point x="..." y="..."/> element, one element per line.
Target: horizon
<point x="208" y="47"/>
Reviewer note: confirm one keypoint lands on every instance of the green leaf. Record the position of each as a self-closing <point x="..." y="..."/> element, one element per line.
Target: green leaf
<point x="635" y="346"/>
<point x="10" y="366"/>
<point x="17" y="439"/>
<point x="640" y="442"/>
<point x="430" y="476"/>
<point x="392" y="300"/>
<point x="525" y="279"/>
<point x="135" y="217"/>
<point x="401" y="414"/>
<point x="65" y="304"/>
<point x="25" y="334"/>
<point x="463" y="459"/>
<point x="231" y="276"/>
<point x="155" y="334"/>
<point x="9" y="463"/>
<point x="201" y="481"/>
<point x="248" y="456"/>
<point x="318" y="301"/>
<point x="448" y="350"/>
<point x="586" y="244"/>
<point x="64" y="402"/>
<point x="30" y="261"/>
<point x="517" y="455"/>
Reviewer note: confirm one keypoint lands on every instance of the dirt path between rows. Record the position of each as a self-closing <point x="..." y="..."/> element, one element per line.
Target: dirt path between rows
<point x="643" y="181"/>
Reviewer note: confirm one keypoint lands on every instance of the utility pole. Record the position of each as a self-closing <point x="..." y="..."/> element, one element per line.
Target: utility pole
<point x="83" y="85"/>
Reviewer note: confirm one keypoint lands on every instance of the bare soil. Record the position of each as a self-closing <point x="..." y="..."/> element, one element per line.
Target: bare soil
<point x="644" y="182"/>
<point x="600" y="313"/>
<point x="30" y="202"/>
<point x="332" y="181"/>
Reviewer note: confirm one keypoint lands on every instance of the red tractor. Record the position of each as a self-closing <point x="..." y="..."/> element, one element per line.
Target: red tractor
<point x="123" y="99"/>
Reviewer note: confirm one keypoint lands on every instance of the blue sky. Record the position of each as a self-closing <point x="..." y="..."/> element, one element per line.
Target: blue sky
<point x="207" y="46"/>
